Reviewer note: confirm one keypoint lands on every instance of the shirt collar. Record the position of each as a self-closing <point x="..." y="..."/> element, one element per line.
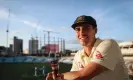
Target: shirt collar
<point x="98" y="40"/>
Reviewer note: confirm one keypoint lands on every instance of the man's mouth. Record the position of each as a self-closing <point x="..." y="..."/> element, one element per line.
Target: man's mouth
<point x="83" y="38"/>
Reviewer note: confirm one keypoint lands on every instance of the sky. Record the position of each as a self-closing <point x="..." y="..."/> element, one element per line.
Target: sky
<point x="30" y="18"/>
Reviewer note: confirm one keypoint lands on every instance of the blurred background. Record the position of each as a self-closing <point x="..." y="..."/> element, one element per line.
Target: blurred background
<point x="34" y="32"/>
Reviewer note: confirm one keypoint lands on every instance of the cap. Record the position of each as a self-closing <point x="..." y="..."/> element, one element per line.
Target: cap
<point x="84" y="19"/>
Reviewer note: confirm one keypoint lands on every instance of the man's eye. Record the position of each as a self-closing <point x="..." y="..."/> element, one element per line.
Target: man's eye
<point x="77" y="29"/>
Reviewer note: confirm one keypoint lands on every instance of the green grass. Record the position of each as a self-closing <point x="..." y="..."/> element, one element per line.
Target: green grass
<point x="25" y="71"/>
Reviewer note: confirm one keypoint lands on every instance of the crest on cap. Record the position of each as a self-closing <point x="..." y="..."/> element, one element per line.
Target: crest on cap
<point x="80" y="18"/>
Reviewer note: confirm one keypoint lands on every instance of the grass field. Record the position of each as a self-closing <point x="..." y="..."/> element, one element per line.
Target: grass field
<point x="25" y="71"/>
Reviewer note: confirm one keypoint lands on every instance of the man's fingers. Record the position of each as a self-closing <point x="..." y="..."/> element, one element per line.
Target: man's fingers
<point x="60" y="75"/>
<point x="54" y="75"/>
<point x="49" y="76"/>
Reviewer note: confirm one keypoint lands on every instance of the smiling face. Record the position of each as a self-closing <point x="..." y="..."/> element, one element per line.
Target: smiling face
<point x="86" y="34"/>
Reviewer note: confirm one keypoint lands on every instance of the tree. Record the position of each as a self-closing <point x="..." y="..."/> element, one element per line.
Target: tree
<point x="68" y="52"/>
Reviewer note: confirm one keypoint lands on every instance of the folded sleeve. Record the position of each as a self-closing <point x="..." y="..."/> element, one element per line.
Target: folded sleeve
<point x="106" y="54"/>
<point x="74" y="66"/>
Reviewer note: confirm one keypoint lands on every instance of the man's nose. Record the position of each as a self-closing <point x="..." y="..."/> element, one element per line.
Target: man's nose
<point x="82" y="30"/>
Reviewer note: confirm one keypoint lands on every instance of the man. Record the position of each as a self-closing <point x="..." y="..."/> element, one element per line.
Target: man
<point x="98" y="60"/>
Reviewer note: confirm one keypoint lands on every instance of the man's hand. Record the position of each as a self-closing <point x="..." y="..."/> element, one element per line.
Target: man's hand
<point x="52" y="76"/>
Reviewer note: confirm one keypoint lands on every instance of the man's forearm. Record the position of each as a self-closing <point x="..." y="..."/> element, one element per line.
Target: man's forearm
<point x="88" y="72"/>
<point x="74" y="75"/>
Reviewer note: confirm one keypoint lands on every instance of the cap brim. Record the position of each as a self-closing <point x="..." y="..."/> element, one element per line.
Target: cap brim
<point x="77" y="24"/>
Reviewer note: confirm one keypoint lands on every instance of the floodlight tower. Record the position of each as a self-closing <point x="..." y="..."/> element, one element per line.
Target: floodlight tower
<point x="7" y="31"/>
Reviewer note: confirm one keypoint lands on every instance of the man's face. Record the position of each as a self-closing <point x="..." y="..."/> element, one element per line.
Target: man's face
<point x="85" y="34"/>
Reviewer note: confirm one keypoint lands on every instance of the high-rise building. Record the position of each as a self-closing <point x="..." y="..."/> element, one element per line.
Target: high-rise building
<point x="2" y="50"/>
<point x="18" y="46"/>
<point x="33" y="46"/>
<point x="10" y="51"/>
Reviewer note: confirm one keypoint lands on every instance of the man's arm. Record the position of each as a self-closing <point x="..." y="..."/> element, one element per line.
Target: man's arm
<point x="88" y="72"/>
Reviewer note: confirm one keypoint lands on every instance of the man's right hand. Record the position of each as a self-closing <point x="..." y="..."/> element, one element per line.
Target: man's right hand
<point x="52" y="76"/>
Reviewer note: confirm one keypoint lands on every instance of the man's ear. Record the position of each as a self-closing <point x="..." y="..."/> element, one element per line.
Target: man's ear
<point x="96" y="30"/>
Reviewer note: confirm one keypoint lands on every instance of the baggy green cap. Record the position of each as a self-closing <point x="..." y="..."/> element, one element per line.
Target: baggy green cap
<point x="84" y="19"/>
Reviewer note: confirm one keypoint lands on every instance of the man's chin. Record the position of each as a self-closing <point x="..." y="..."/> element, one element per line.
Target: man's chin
<point x="83" y="44"/>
